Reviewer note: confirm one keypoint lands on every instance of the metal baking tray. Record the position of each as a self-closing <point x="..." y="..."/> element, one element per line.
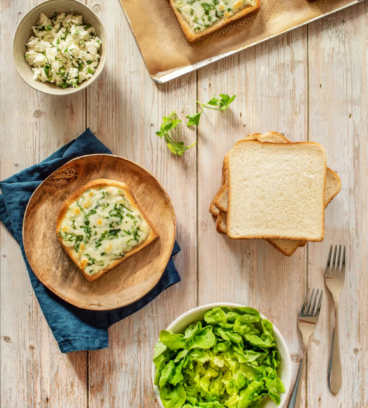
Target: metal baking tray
<point x="163" y="77"/>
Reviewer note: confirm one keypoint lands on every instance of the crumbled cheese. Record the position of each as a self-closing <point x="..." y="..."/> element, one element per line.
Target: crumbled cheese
<point x="63" y="50"/>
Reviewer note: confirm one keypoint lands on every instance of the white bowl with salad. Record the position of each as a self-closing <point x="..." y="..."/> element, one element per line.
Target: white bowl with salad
<point x="221" y="355"/>
<point x="59" y="47"/>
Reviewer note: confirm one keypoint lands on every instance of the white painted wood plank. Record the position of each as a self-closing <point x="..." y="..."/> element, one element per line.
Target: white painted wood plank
<point x="33" y="371"/>
<point x="270" y="82"/>
<point x="125" y="109"/>
<point x="338" y="76"/>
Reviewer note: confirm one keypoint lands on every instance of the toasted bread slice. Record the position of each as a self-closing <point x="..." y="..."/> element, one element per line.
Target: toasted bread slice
<point x="193" y="36"/>
<point x="276" y="190"/>
<point x="287" y="247"/>
<point x="101" y="225"/>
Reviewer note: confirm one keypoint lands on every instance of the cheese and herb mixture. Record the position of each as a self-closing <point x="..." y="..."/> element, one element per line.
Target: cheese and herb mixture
<point x="201" y="14"/>
<point x="101" y="227"/>
<point x="63" y="50"/>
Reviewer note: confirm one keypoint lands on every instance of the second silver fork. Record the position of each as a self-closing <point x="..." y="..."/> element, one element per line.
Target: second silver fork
<point x="335" y="278"/>
<point x="307" y="322"/>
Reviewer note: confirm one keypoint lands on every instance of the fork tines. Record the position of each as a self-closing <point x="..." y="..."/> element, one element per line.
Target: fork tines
<point x="311" y="307"/>
<point x="335" y="261"/>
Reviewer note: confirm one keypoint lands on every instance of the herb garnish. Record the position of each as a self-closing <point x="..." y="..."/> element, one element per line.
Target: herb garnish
<point x="107" y="235"/>
<point x="93" y="261"/>
<point x="169" y="123"/>
<point x="87" y="231"/>
<point x="220" y="104"/>
<point x="71" y="237"/>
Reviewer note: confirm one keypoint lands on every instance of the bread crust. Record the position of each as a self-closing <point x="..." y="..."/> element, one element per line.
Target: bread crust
<point x="337" y="180"/>
<point x="194" y="37"/>
<point x="102" y="183"/>
<point x="276" y="138"/>
<point x="221" y="222"/>
<point x="296" y="238"/>
<point x="225" y="169"/>
<point x="214" y="210"/>
<point x="253" y="136"/>
<point x="217" y="200"/>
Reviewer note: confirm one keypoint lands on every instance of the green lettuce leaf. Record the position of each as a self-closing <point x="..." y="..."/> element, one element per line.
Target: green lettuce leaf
<point x="243" y="327"/>
<point x="215" y="316"/>
<point x="192" y="330"/>
<point x="159" y="349"/>
<point x="166" y="373"/>
<point x="171" y="340"/>
<point x="173" y="397"/>
<point x="177" y="376"/>
<point x="205" y="339"/>
<point x="221" y="346"/>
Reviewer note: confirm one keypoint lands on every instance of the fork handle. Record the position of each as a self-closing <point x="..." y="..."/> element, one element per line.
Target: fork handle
<point x="334" y="367"/>
<point x="297" y="391"/>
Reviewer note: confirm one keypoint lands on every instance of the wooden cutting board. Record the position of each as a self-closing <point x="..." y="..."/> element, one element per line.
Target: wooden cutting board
<point x="127" y="282"/>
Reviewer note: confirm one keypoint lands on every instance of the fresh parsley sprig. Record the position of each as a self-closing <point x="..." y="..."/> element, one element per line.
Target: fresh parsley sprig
<point x="221" y="104"/>
<point x="170" y="122"/>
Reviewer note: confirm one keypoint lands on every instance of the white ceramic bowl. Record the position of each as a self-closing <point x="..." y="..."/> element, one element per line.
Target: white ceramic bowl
<point x="284" y="371"/>
<point x="24" y="31"/>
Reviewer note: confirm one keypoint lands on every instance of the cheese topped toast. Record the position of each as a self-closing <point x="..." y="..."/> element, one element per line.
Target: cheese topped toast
<point x="100" y="225"/>
<point x="199" y="18"/>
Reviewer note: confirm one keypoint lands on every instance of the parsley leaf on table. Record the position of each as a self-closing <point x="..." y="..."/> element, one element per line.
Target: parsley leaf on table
<point x="169" y="123"/>
<point x="194" y="119"/>
<point x="221" y="103"/>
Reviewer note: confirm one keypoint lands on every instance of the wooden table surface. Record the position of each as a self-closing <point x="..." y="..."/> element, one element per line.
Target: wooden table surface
<point x="309" y="84"/>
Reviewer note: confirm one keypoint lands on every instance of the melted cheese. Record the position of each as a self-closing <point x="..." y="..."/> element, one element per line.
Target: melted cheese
<point x="201" y="14"/>
<point x="101" y="227"/>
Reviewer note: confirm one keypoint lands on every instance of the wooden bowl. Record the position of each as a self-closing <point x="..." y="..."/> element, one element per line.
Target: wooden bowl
<point x="127" y="282"/>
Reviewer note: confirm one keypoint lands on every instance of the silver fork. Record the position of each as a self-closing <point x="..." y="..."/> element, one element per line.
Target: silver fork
<point x="307" y="322"/>
<point x="335" y="278"/>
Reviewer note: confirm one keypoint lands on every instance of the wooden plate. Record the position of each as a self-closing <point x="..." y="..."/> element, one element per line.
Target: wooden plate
<point x="130" y="280"/>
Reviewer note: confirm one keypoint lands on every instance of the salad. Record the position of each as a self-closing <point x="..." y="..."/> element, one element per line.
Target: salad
<point x="227" y="360"/>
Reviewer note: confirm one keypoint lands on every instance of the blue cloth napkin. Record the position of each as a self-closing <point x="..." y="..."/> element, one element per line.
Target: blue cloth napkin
<point x="74" y="329"/>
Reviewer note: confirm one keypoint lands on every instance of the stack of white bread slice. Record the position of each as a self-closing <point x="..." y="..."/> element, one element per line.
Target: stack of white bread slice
<point x="275" y="190"/>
